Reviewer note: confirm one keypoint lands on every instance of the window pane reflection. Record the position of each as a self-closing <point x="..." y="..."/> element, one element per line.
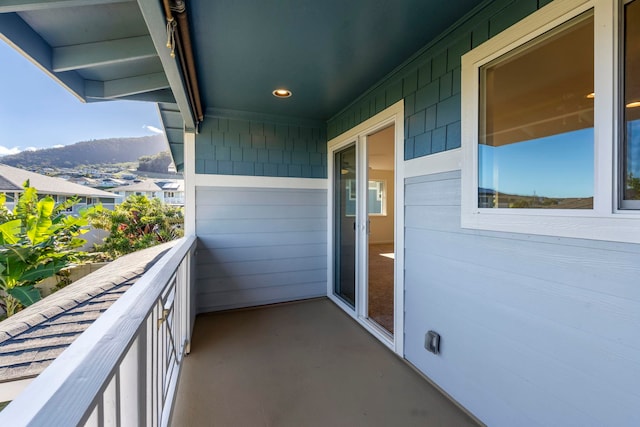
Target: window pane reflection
<point x="536" y="131"/>
<point x="631" y="179"/>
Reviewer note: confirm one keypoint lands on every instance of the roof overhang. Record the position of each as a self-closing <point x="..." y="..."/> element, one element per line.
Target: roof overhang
<point x="99" y="50"/>
<point x="327" y="53"/>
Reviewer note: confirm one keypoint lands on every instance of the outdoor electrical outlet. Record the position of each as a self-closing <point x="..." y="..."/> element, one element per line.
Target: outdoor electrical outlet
<point x="432" y="342"/>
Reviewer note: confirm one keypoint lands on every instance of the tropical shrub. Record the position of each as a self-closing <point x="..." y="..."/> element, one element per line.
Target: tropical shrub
<point x="137" y="223"/>
<point x="37" y="240"/>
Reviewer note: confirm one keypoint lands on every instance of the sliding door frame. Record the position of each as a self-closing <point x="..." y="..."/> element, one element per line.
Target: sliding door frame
<point x="393" y="115"/>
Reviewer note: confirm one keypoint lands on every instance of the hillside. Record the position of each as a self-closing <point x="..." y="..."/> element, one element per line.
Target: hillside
<point x="95" y="152"/>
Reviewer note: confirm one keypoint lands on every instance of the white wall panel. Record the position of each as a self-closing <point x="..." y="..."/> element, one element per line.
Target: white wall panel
<point x="259" y="245"/>
<point x="535" y="330"/>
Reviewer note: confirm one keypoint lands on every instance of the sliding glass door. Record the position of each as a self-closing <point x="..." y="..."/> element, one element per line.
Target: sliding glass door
<point x="366" y="225"/>
<point x="344" y="197"/>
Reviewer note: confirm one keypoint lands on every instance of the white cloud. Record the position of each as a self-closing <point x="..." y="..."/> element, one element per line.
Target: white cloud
<point x="58" y="146"/>
<point x="153" y="129"/>
<point x="4" y="151"/>
<point x="31" y="149"/>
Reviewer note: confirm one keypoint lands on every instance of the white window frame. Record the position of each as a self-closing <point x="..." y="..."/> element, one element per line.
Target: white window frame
<point x="605" y="221"/>
<point x="623" y="204"/>
<point x="382" y="194"/>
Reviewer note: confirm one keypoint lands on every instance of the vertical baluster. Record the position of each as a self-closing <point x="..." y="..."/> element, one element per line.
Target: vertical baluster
<point x="177" y="306"/>
<point x="162" y="348"/>
<point x="92" y="421"/>
<point x="148" y="392"/>
<point x="187" y="313"/>
<point x="109" y="405"/>
<point x="142" y="374"/>
<point x="183" y="304"/>
<point x="154" y="367"/>
<point x="130" y="386"/>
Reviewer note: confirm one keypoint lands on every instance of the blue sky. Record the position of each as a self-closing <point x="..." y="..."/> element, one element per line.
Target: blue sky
<point x="36" y="112"/>
<point x="555" y="166"/>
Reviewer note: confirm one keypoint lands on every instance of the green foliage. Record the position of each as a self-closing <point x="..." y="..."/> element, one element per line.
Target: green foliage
<point x="633" y="186"/>
<point x="37" y="240"/>
<point x="136" y="224"/>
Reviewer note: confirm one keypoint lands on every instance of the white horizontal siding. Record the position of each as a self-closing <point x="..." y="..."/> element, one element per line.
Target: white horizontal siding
<point x="261" y="239"/>
<point x="535" y="330"/>
<point x="259" y="245"/>
<point x="241" y="196"/>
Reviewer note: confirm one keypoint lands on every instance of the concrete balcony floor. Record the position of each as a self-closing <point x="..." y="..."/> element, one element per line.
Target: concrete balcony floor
<point x="301" y="364"/>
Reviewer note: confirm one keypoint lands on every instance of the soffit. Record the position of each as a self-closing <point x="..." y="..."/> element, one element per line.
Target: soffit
<point x="98" y="49"/>
<point x="90" y="23"/>
<point x="326" y="52"/>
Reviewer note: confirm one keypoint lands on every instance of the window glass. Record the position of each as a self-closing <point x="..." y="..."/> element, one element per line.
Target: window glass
<point x="536" y="139"/>
<point x="631" y="149"/>
<point x="376" y="202"/>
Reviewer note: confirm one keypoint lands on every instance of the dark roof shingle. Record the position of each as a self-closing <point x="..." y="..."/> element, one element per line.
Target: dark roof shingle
<point x="31" y="339"/>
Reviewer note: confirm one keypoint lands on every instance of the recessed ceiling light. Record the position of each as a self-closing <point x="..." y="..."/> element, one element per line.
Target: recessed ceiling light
<point x="633" y="104"/>
<point x="281" y="93"/>
<point x="591" y="95"/>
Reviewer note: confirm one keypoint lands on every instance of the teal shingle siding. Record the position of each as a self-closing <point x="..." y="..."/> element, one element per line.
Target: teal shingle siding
<point x="430" y="82"/>
<point x="258" y="148"/>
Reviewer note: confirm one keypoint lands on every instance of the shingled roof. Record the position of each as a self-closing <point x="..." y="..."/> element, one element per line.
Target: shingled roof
<point x="142" y="186"/>
<point x="31" y="339"/>
<point x="11" y="179"/>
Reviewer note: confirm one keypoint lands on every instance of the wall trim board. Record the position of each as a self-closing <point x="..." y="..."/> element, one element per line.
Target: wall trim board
<point x="245" y="181"/>
<point x="445" y="161"/>
<point x="190" y="181"/>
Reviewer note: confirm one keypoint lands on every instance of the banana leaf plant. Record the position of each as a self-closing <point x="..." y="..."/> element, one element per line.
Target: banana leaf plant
<point x="37" y="240"/>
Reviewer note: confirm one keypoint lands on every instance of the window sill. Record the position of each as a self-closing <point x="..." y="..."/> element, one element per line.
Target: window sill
<point x="618" y="227"/>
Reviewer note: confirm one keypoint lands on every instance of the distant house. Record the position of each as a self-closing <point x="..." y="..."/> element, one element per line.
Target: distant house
<point x="173" y="191"/>
<point x="110" y="183"/>
<point x="81" y="180"/>
<point x="12" y="179"/>
<point x="169" y="191"/>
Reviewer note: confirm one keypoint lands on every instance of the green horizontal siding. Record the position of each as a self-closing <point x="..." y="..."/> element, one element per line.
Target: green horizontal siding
<point x="429" y="83"/>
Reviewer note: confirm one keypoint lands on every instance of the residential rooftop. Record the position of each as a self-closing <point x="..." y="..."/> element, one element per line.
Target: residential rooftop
<point x="12" y="179"/>
<point x="32" y="338"/>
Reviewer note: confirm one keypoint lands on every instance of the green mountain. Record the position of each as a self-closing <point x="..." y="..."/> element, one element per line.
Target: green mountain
<point x="94" y="152"/>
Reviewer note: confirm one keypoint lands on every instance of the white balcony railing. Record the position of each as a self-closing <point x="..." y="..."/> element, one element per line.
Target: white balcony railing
<point x="123" y="370"/>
